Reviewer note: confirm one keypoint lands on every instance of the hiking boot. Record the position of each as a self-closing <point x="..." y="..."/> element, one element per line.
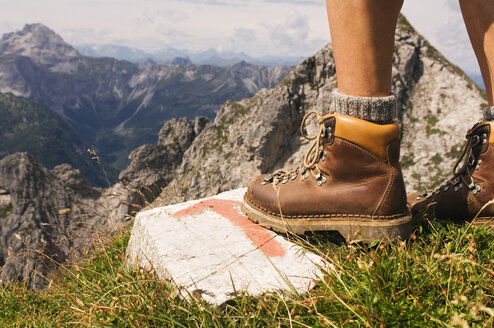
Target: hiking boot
<point x="350" y="181"/>
<point x="466" y="196"/>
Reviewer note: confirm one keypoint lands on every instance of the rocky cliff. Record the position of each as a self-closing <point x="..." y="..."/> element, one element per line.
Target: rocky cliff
<point x="45" y="216"/>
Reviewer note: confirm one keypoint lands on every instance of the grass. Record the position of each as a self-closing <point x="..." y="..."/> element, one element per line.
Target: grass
<point x="441" y="277"/>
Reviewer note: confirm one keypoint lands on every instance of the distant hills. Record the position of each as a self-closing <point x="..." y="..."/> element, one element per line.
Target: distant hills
<point x="164" y="56"/>
<point x="114" y="105"/>
<point x="29" y="127"/>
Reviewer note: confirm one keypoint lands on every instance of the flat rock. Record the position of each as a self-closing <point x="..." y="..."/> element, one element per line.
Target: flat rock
<point x="209" y="247"/>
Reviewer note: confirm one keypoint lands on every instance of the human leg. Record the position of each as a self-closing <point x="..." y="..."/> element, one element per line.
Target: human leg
<point x="479" y="20"/>
<point x="362" y="34"/>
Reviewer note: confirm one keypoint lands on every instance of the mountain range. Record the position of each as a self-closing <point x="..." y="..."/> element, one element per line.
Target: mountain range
<point x="113" y="105"/>
<point x="205" y="57"/>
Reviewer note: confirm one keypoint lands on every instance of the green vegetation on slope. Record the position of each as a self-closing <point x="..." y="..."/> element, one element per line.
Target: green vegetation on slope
<point x="29" y="127"/>
<point x="441" y="277"/>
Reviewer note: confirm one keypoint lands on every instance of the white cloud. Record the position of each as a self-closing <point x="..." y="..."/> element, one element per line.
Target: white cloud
<point x="244" y="34"/>
<point x="294" y="35"/>
<point x="453" y="5"/>
<point x="299" y="2"/>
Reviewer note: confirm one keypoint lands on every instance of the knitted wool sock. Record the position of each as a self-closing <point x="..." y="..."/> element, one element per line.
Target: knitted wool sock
<point x="380" y="110"/>
<point x="489" y="113"/>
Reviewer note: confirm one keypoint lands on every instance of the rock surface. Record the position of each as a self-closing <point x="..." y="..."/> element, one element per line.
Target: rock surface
<point x="225" y="253"/>
<point x="45" y="216"/>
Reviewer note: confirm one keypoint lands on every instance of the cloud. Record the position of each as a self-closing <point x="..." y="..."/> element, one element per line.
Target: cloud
<point x="452" y="5"/>
<point x="159" y="16"/>
<point x="236" y="3"/>
<point x="230" y="3"/>
<point x="299" y="2"/>
<point x="78" y="36"/>
<point x="294" y="35"/>
<point x="244" y="35"/>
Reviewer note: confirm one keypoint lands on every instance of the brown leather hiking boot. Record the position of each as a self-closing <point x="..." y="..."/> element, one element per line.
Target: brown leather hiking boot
<point x="467" y="194"/>
<point x="350" y="182"/>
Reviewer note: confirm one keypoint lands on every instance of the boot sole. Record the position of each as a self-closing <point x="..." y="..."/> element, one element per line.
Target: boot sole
<point x="353" y="230"/>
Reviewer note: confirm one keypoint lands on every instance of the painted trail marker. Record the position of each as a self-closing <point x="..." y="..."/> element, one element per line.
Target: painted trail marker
<point x="209" y="247"/>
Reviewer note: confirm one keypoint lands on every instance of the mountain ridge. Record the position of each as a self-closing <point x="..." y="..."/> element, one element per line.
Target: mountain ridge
<point x="204" y="57"/>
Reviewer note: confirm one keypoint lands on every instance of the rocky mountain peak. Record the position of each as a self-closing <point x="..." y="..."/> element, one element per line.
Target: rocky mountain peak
<point x="38" y="42"/>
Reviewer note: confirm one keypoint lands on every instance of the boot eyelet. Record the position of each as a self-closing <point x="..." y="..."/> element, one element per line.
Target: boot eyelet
<point x="471" y="160"/>
<point x="322" y="155"/>
<point x="328" y="131"/>
<point x="446" y="187"/>
<point x="476" y="190"/>
<point x="268" y="178"/>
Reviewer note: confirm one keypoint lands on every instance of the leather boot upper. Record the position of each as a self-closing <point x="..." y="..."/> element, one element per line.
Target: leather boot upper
<point x="351" y="169"/>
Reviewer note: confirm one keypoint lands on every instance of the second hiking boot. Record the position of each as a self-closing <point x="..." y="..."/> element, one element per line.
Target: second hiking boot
<point x="350" y="182"/>
<point x="467" y="195"/>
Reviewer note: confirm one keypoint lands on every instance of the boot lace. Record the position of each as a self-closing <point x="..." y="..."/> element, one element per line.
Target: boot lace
<point x="464" y="168"/>
<point x="314" y="154"/>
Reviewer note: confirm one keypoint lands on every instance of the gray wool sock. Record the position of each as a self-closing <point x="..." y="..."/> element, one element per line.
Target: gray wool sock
<point x="489" y="114"/>
<point x="380" y="110"/>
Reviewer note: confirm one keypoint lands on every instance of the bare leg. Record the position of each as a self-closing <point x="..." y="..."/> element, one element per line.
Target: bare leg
<point x="479" y="19"/>
<point x="362" y="33"/>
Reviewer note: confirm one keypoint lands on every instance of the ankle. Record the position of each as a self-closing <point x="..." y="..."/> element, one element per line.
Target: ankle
<point x="380" y="110"/>
<point x="489" y="114"/>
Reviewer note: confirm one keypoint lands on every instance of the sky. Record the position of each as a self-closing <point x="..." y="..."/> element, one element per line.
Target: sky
<point x="257" y="27"/>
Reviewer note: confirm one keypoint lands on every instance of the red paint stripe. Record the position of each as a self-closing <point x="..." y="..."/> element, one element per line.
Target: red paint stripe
<point x="261" y="237"/>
